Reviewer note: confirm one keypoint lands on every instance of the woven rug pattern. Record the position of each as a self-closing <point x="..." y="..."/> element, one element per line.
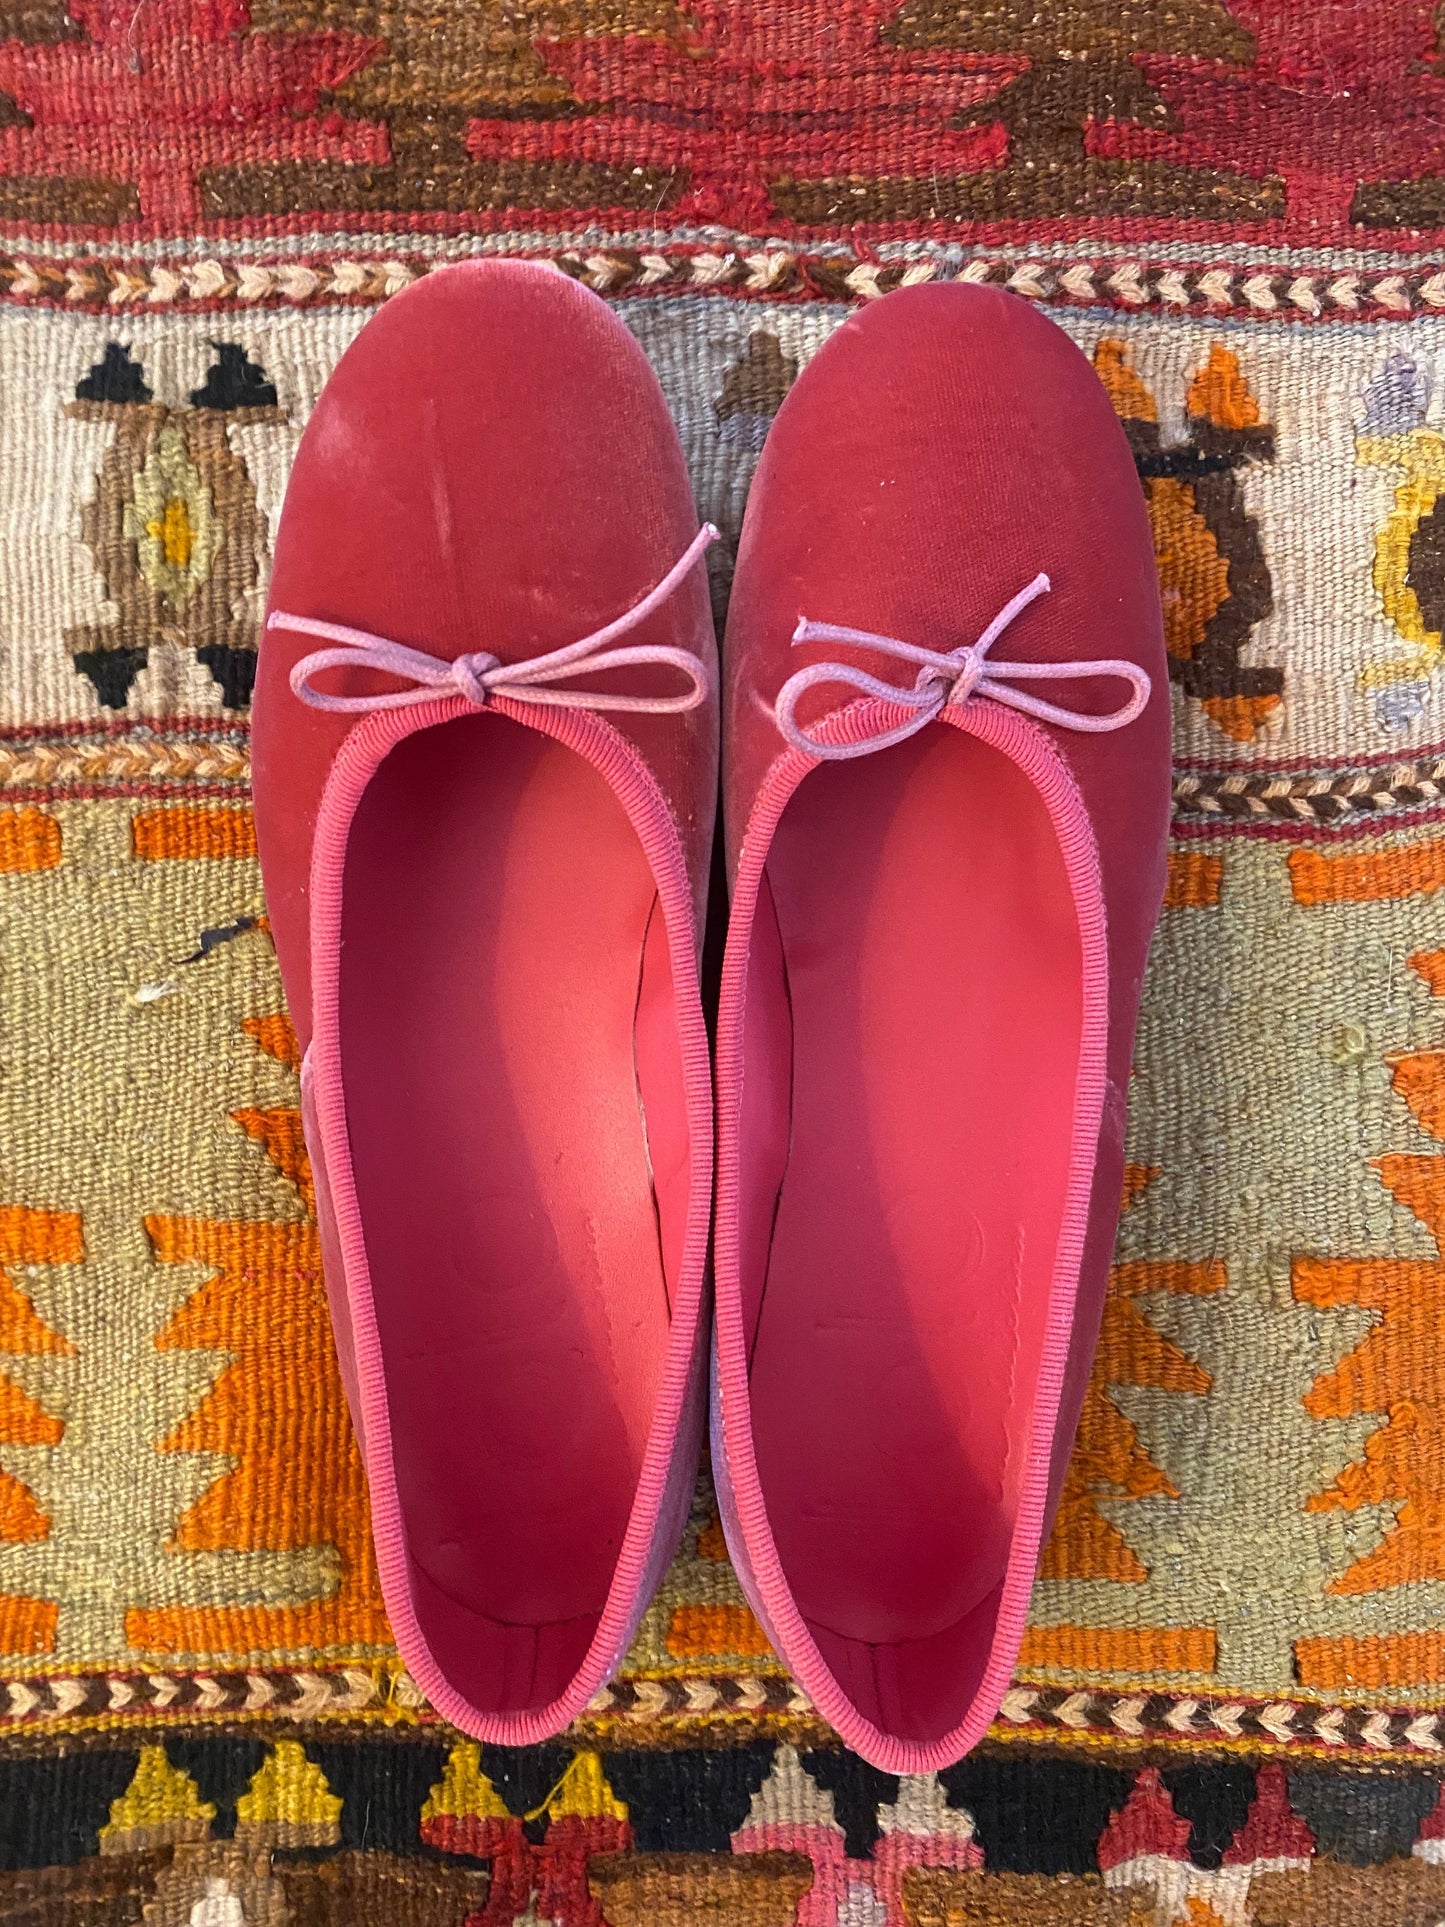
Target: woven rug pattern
<point x="1230" y="1709"/>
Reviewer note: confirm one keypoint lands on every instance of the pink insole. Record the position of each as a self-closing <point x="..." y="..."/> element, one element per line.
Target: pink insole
<point x="918" y="943"/>
<point x="494" y="1011"/>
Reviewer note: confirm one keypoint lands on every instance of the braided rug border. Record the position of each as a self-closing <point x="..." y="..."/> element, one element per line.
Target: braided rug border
<point x="221" y="762"/>
<point x="732" y="1708"/>
<point x="1134" y="286"/>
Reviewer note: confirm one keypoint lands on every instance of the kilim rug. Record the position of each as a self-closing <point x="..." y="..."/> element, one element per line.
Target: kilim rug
<point x="1231" y="1708"/>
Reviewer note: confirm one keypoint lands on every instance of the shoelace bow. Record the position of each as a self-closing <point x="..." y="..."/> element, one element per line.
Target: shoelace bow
<point x="948" y="678"/>
<point x="479" y="677"/>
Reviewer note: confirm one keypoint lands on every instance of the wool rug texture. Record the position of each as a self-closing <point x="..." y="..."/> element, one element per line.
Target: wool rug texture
<point x="1230" y="1710"/>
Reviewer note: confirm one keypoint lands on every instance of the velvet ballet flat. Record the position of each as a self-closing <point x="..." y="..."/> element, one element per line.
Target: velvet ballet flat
<point x="485" y="767"/>
<point x="945" y="796"/>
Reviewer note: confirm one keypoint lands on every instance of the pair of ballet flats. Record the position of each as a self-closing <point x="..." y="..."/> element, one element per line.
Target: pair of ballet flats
<point x="876" y="1213"/>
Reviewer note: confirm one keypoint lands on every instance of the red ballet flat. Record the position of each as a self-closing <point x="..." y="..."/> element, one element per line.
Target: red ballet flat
<point x="946" y="794"/>
<point x="485" y="767"/>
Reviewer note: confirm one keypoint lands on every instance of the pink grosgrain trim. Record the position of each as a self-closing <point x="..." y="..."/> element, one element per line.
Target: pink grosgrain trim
<point x="742" y="1505"/>
<point x="666" y="1480"/>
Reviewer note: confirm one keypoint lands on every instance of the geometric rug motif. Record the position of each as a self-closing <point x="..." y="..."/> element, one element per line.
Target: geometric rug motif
<point x="1294" y="481"/>
<point x="326" y="1829"/>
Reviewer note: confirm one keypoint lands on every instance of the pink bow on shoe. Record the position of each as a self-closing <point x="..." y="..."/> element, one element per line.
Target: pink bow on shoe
<point x="951" y="678"/>
<point x="479" y="677"/>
